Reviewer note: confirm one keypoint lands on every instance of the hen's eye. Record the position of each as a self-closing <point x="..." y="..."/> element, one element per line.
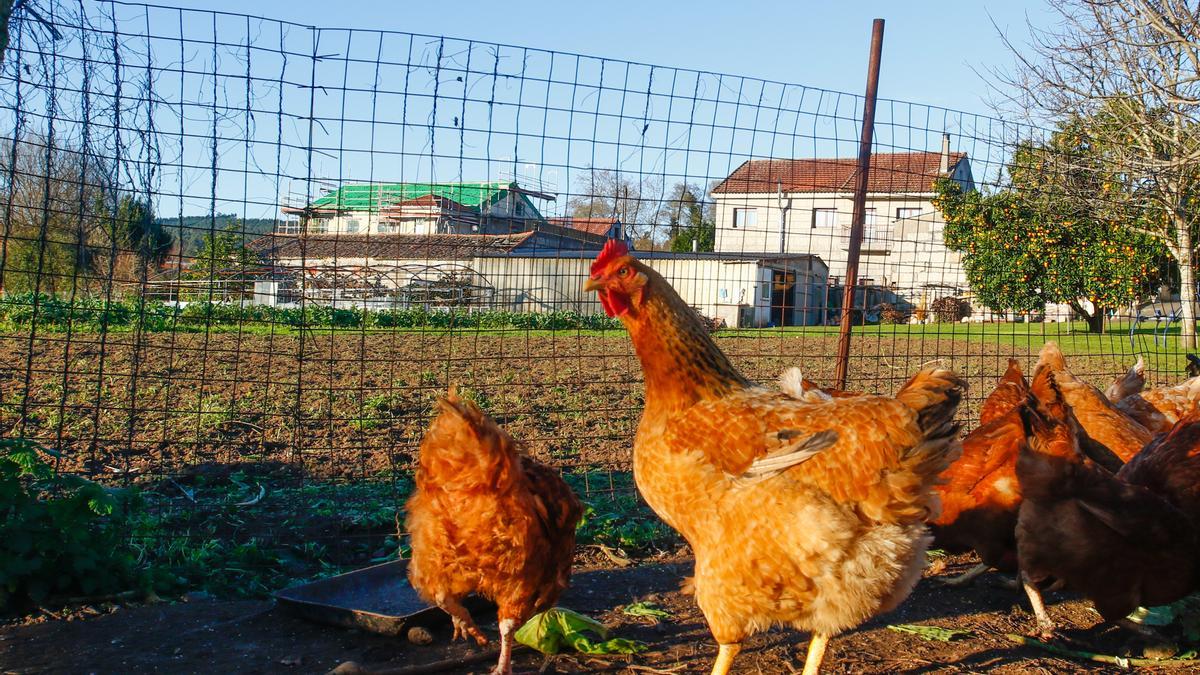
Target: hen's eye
<point x="623" y="272"/>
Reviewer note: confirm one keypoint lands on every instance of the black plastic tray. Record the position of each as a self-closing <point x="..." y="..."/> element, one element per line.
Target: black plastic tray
<point x="378" y="599"/>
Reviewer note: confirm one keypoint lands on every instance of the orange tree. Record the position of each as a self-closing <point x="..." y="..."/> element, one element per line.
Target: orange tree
<point x="1033" y="243"/>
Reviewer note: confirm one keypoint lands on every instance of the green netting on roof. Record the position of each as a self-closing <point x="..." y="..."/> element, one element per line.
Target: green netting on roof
<point x="374" y="196"/>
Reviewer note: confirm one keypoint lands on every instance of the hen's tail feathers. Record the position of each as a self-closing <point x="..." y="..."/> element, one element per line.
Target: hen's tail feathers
<point x="1050" y="357"/>
<point x="1131" y="382"/>
<point x="935" y="394"/>
<point x="1049" y="424"/>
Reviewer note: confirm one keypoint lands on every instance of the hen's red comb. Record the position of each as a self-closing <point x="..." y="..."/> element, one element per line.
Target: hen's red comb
<point x="612" y="250"/>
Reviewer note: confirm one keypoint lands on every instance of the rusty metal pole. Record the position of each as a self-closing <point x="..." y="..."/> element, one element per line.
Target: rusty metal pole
<point x="860" y="202"/>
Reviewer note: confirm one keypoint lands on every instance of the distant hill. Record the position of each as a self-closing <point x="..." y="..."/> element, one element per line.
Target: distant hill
<point x="192" y="229"/>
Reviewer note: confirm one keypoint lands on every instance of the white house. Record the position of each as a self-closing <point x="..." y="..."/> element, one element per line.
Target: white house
<point x="805" y="206"/>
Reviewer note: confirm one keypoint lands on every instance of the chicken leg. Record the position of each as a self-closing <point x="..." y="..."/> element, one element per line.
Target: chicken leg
<point x="464" y="626"/>
<point x="1046" y="627"/>
<point x="816" y="652"/>
<point x="725" y="654"/>
<point x="507" y="628"/>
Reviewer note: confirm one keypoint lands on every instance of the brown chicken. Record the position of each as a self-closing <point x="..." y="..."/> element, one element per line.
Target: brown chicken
<point x="486" y="520"/>
<point x="1010" y="391"/>
<point x="1132" y="382"/>
<point x="1160" y="408"/>
<point x="1124" y="540"/>
<point x="803" y="513"/>
<point x="1112" y="437"/>
<point x="980" y="493"/>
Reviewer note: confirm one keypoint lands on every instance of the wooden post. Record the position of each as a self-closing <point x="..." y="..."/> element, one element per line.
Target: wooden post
<point x="860" y="201"/>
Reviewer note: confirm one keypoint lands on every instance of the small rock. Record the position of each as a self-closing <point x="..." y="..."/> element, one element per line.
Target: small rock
<point x="419" y="635"/>
<point x="178" y="650"/>
<point x="348" y="668"/>
<point x="196" y="596"/>
<point x="292" y="660"/>
<point x="1161" y="650"/>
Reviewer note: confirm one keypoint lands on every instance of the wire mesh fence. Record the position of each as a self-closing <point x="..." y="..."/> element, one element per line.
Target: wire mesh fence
<point x="240" y="256"/>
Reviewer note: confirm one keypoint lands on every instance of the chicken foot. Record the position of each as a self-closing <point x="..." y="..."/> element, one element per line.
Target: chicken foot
<point x="968" y="576"/>
<point x="464" y="626"/>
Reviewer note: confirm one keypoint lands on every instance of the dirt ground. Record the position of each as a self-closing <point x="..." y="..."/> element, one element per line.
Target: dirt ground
<point x="353" y="406"/>
<point x="205" y="636"/>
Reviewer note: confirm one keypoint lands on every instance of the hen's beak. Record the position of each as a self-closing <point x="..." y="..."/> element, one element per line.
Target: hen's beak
<point x="593" y="284"/>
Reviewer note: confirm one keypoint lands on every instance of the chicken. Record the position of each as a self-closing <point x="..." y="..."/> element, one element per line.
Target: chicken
<point x="1010" y="391"/>
<point x="803" y="513"/>
<point x="1129" y="384"/>
<point x="981" y="496"/>
<point x="1121" y="540"/>
<point x="486" y="520"/>
<point x="1112" y="436"/>
<point x="1160" y="408"/>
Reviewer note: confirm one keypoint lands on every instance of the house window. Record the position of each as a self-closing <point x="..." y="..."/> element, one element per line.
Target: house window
<point x="824" y="217"/>
<point x="288" y="227"/>
<point x="745" y="217"/>
<point x="520" y="210"/>
<point x="869" y="217"/>
<point x="318" y="226"/>
<point x="766" y="291"/>
<point x="387" y="228"/>
<point x="906" y="212"/>
<point x="352" y="226"/>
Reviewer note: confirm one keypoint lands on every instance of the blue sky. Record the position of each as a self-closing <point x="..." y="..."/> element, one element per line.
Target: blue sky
<point x="728" y="83"/>
<point x="931" y="48"/>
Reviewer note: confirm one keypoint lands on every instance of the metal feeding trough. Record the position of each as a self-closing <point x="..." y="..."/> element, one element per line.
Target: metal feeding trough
<point x="378" y="599"/>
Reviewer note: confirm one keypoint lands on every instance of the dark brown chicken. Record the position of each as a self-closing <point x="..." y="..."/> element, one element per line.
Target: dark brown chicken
<point x="486" y="520"/>
<point x="1123" y="540"/>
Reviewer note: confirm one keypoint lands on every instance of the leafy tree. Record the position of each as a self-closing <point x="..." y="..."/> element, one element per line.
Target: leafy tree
<point x="1129" y="68"/>
<point x="689" y="220"/>
<point x="223" y="257"/>
<point x="49" y="196"/>
<point x="1035" y="243"/>
<point x="137" y="236"/>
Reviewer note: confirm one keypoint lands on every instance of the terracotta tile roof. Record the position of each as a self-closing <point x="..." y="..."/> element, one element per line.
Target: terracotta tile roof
<point x="890" y="173"/>
<point x="600" y="226"/>
<point x="387" y="246"/>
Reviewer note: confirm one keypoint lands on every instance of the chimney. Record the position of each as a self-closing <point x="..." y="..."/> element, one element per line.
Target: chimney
<point x="944" y="167"/>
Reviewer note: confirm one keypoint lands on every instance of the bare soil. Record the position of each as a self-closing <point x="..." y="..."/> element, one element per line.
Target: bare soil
<point x="257" y="637"/>
<point x="353" y="406"/>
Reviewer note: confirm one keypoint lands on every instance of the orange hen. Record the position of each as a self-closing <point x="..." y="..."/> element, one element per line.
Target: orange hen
<point x="1010" y="391"/>
<point x="806" y="513"/>
<point x="1160" y="408"/>
<point x="486" y="520"/>
<point x="1112" y="437"/>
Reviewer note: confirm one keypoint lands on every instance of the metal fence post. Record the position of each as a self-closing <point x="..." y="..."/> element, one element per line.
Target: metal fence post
<point x="860" y="200"/>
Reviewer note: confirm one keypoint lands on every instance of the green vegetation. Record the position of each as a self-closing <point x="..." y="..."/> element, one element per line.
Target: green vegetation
<point x="60" y="534"/>
<point x="192" y="230"/>
<point x="53" y="313"/>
